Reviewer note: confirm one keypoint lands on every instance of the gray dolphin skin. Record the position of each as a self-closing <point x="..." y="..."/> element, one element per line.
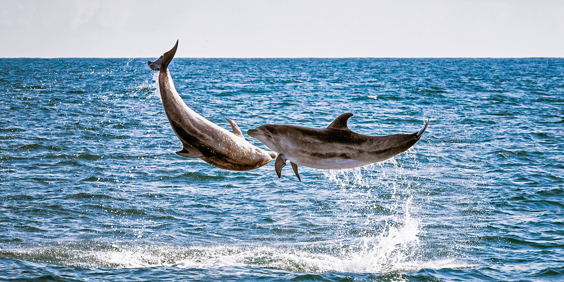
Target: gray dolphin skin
<point x="201" y="138"/>
<point x="334" y="147"/>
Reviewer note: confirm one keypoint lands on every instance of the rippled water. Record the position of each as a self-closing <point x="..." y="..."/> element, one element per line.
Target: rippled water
<point x="92" y="189"/>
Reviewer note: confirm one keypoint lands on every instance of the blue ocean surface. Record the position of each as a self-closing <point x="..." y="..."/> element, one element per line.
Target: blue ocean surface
<point x="91" y="188"/>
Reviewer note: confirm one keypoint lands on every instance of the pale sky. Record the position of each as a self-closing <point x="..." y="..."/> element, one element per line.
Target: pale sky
<point x="288" y="28"/>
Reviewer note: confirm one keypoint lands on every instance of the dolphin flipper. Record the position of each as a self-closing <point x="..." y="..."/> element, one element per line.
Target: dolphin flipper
<point x="189" y="152"/>
<point x="280" y="164"/>
<point x="295" y="168"/>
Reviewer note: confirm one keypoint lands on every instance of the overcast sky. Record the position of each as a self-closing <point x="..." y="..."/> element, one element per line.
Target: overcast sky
<point x="288" y="28"/>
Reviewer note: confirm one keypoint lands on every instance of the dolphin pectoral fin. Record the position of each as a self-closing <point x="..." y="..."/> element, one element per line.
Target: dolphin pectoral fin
<point x="236" y="129"/>
<point x="295" y="168"/>
<point x="280" y="164"/>
<point x="189" y="152"/>
<point x="340" y="122"/>
<point x="156" y="65"/>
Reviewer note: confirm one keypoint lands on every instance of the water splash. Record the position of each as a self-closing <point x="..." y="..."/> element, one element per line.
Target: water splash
<point x="385" y="254"/>
<point x="153" y="85"/>
<point x="378" y="174"/>
<point x="381" y="208"/>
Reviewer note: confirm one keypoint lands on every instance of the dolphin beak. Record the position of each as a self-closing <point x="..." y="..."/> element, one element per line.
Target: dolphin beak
<point x="252" y="132"/>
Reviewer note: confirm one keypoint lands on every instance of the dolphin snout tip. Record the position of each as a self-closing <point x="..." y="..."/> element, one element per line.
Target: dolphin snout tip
<point x="272" y="155"/>
<point x="252" y="132"/>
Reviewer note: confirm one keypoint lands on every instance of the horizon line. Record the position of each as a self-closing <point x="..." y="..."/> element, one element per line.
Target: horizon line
<point x="345" y="57"/>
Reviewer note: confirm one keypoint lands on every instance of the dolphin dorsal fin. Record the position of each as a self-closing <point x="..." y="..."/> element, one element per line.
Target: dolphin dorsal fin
<point x="340" y="122"/>
<point x="236" y="129"/>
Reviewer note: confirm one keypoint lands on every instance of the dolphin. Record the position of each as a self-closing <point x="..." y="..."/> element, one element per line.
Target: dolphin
<point x="335" y="147"/>
<point x="200" y="137"/>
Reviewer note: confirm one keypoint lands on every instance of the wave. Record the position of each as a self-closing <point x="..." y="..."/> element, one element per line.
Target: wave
<point x="385" y="254"/>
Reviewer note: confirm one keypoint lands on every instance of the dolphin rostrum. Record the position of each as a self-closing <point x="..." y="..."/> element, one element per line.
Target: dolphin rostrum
<point x="200" y="137"/>
<point x="335" y="147"/>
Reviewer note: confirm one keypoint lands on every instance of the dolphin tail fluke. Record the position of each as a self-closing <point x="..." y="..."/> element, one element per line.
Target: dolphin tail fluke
<point x="156" y="65"/>
<point x="167" y="57"/>
<point x="295" y="168"/>
<point x="420" y="132"/>
<point x="280" y="164"/>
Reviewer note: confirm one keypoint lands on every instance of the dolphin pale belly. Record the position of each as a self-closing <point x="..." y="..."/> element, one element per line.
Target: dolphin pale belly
<point x="200" y="137"/>
<point x="335" y="147"/>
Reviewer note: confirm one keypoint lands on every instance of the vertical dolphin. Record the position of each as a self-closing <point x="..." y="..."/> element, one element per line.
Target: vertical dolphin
<point x="200" y="137"/>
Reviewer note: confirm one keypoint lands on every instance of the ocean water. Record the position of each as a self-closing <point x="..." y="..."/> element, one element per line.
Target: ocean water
<point x="91" y="188"/>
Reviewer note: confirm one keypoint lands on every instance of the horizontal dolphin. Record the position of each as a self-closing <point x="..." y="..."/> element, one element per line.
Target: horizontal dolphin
<point x="200" y="137"/>
<point x="335" y="147"/>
